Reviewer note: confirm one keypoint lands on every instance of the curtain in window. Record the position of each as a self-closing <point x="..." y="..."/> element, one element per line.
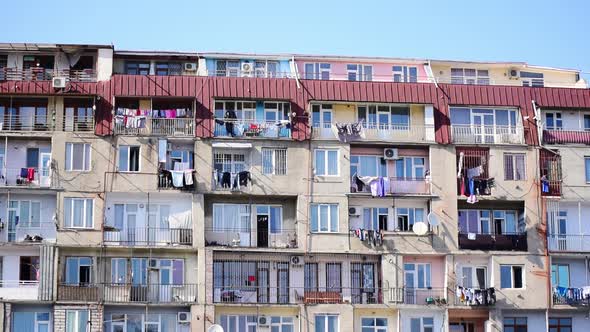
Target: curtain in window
<point x="320" y="162"/>
<point x="124" y="158"/>
<point x="332" y="162"/>
<point x="275" y="219"/>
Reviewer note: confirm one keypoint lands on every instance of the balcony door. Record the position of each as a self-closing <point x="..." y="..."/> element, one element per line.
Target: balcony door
<point x="417" y="282"/>
<point x="322" y="118"/>
<point x="160" y="280"/>
<point x="483" y="126"/>
<point x="44" y="166"/>
<point x="558" y="230"/>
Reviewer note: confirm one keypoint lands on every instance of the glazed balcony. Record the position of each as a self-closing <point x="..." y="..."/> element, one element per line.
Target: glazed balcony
<point x="170" y="127"/>
<point x="487" y="134"/>
<point x="399" y="186"/>
<point x="148" y="237"/>
<point x="568" y="242"/>
<point x="503" y="242"/>
<point x="380" y="133"/>
<point x="251" y="238"/>
<point x="419" y="296"/>
<point x="258" y="73"/>
<point x="151" y="293"/>
<point x="251" y="129"/>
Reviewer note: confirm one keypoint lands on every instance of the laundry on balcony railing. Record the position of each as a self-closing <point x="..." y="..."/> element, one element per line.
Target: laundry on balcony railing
<point x="369" y="236"/>
<point x="347" y="132"/>
<point x="381" y="186"/>
<point x="571" y="295"/>
<point x="180" y="177"/>
<point x="130" y="118"/>
<point x="231" y="180"/>
<point x="475" y="296"/>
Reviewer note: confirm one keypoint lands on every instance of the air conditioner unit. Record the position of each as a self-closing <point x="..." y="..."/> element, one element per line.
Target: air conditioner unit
<point x="153" y="264"/>
<point x="354" y="211"/>
<point x="390" y="154"/>
<point x="59" y="82"/>
<point x="190" y="66"/>
<point x="262" y="321"/>
<point x="184" y="317"/>
<point x="296" y="260"/>
<point x="247" y="69"/>
<point x="513" y="74"/>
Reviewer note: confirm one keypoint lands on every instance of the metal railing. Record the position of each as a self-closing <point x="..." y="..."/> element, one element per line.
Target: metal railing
<point x="560" y="136"/>
<point x="229" y="181"/>
<point x="487" y="134"/>
<point x="397" y="185"/>
<point x="78" y="123"/>
<point x="259" y="73"/>
<point x="474" y="297"/>
<point x="177" y="127"/>
<point x="25" y="177"/>
<point x="569" y="296"/>
<point x="165" y="181"/>
<point x="251" y="238"/>
<point x="419" y="296"/>
<point x="506" y="241"/>
<point x="381" y="132"/>
<point x="46" y="74"/>
<point x="568" y="242"/>
<point x="78" y="292"/>
<point x="150" y="293"/>
<point x="143" y="236"/>
<point x="251" y="129"/>
<point x="29" y="232"/>
<point x="297" y="295"/>
<point x="32" y="122"/>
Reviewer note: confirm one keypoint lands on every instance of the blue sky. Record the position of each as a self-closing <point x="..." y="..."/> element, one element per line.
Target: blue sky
<point x="542" y="32"/>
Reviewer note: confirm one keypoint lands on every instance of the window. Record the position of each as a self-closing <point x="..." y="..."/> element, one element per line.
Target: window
<point x="274" y="215"/>
<point x="417" y="275"/>
<point x="30" y="321"/>
<point x="238" y="323"/>
<point x="405" y="74"/>
<point x="560" y="324"/>
<point x="274" y="161"/>
<point x="326" y="162"/>
<point x="137" y="68"/>
<point x="118" y="270"/>
<point x="587" y="168"/>
<point x="553" y="121"/>
<point x="317" y="71"/>
<point x="560" y="275"/>
<point x="514" y="166"/>
<point x="334" y="277"/>
<point x="499" y="222"/>
<point x="231" y="217"/>
<point x="310" y="276"/>
<point x="78" y="212"/>
<point x="384" y="117"/>
<point x="321" y="116"/>
<point x="407" y="217"/>
<point x="266" y="68"/>
<point x="168" y="68"/>
<point x="424" y="324"/>
<point x="374" y="324"/>
<point x="470" y="76"/>
<point x="532" y="79"/>
<point x="78" y="271"/>
<point x="27" y="214"/>
<point x="29" y="268"/>
<point x="359" y="72"/>
<point x="128" y="158"/>
<point x="227" y="68"/>
<point x="324" y="218"/>
<point x="375" y="218"/>
<point x="511" y="276"/>
<point x="281" y="324"/>
<point x="77" y="320"/>
<point x="327" y="323"/>
<point x="473" y="277"/>
<point x="229" y="162"/>
<point x="410" y="168"/>
<point x="368" y="165"/>
<point x="515" y="324"/>
<point x="77" y="157"/>
<point x="243" y="110"/>
<point x="276" y="112"/>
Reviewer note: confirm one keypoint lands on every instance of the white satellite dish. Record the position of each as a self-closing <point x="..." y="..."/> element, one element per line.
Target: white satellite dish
<point x="420" y="228"/>
<point x="433" y="219"/>
<point x="215" y="328"/>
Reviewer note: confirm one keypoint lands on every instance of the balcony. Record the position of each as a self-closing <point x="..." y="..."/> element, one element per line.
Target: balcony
<point x="248" y="238"/>
<point x="480" y="298"/>
<point x="230" y="181"/>
<point x="78" y="292"/>
<point x="171" y="127"/>
<point x="487" y="134"/>
<point x="46" y="74"/>
<point x="78" y="123"/>
<point x="148" y="237"/>
<point x="26" y="177"/>
<point x="568" y="242"/>
<point x="503" y="242"/>
<point x="25" y="122"/>
<point x="44" y="232"/>
<point x="379" y="132"/>
<point x="258" y="73"/>
<point x="566" y="137"/>
<point x="251" y="129"/>
<point x="569" y="296"/>
<point x="398" y="186"/>
<point x="152" y="293"/>
<point x="165" y="181"/>
<point x="418" y="296"/>
<point x="296" y="295"/>
<point x="19" y="290"/>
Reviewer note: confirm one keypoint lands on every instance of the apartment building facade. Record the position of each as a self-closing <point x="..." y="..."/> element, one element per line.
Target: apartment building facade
<point x="174" y="191"/>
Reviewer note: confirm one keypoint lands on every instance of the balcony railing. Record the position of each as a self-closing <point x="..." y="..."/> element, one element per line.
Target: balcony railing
<point x="568" y="242"/>
<point x="177" y="127"/>
<point x="151" y="293"/>
<point x="78" y="292"/>
<point x="25" y="177"/>
<point x="474" y="297"/>
<point x="581" y="136"/>
<point x="165" y="181"/>
<point x="248" y="238"/>
<point x="19" y="290"/>
<point x="22" y="122"/>
<point x="297" y="295"/>
<point x="569" y="296"/>
<point x="251" y="129"/>
<point x="487" y="134"/>
<point x="476" y="241"/>
<point x="397" y="186"/>
<point x="30" y="232"/>
<point x="250" y="73"/>
<point x="78" y="123"/>
<point x="380" y="132"/>
<point x="230" y="181"/>
<point x="44" y="74"/>
<point x="419" y="296"/>
<point x="551" y="187"/>
<point x="141" y="236"/>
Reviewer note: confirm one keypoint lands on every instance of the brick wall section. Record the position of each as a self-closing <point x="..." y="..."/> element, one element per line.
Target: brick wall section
<point x="7" y="312"/>
<point x="96" y="316"/>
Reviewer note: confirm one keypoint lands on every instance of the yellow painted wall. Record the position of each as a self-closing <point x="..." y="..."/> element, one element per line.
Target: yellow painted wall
<point x="416" y="115"/>
<point x="344" y="113"/>
<point x="145" y="104"/>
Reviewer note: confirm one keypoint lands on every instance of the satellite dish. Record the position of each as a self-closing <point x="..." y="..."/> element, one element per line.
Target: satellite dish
<point x="215" y="328"/>
<point x="433" y="219"/>
<point x="420" y="228"/>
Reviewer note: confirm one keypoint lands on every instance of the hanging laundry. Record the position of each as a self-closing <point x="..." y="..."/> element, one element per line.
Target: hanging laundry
<point x="188" y="177"/>
<point x="30" y="174"/>
<point x="473" y="172"/>
<point x="177" y="178"/>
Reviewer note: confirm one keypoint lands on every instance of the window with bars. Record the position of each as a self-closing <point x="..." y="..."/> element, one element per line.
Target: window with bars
<point x="274" y="161"/>
<point x="514" y="166"/>
<point x="168" y="68"/>
<point x="229" y="162"/>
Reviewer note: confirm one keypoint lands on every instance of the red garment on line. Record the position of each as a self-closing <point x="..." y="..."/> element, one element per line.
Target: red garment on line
<point x="30" y="174"/>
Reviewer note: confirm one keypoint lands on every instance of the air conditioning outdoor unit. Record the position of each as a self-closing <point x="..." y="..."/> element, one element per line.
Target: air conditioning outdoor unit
<point x="262" y="321"/>
<point x="59" y="82"/>
<point x="513" y="74"/>
<point x="390" y="154"/>
<point x="190" y="66"/>
<point x="296" y="260"/>
<point x="247" y="69"/>
<point x="353" y="211"/>
<point x="184" y="317"/>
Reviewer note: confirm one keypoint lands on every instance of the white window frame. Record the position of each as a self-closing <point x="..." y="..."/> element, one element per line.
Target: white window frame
<point x="557" y="116"/>
<point x="478" y="79"/>
<point x="536" y="82"/>
<point x="374" y="224"/>
<point x="283" y="321"/>
<point x="374" y="327"/>
<point x="318" y="71"/>
<point x="249" y="324"/>
<point x="404" y="73"/>
<point x="220" y="157"/>
<point x="128" y="148"/>
<point x="415" y="167"/>
<point x="77" y="318"/>
<point x="21" y="222"/>
<point x="512" y="274"/>
<point x="269" y="215"/>
<point x="86" y="210"/>
<point x="274" y="154"/>
<point x="87" y="151"/>
<point x="358" y="164"/>
<point x="411" y="211"/>
<point x="360" y="72"/>
<point x="474" y="269"/>
<point x="514" y="174"/>
<point x="326" y="320"/>
<point x="326" y="171"/>
<point x="328" y="222"/>
<point x="115" y="270"/>
<point x="427" y="277"/>
<point x="78" y="264"/>
<point x="224" y="229"/>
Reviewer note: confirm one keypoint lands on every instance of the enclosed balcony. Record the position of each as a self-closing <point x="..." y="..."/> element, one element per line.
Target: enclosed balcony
<point x="486" y="126"/>
<point x="252" y="119"/>
<point x="170" y="117"/>
<point x="259" y="67"/>
<point x="566" y="127"/>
